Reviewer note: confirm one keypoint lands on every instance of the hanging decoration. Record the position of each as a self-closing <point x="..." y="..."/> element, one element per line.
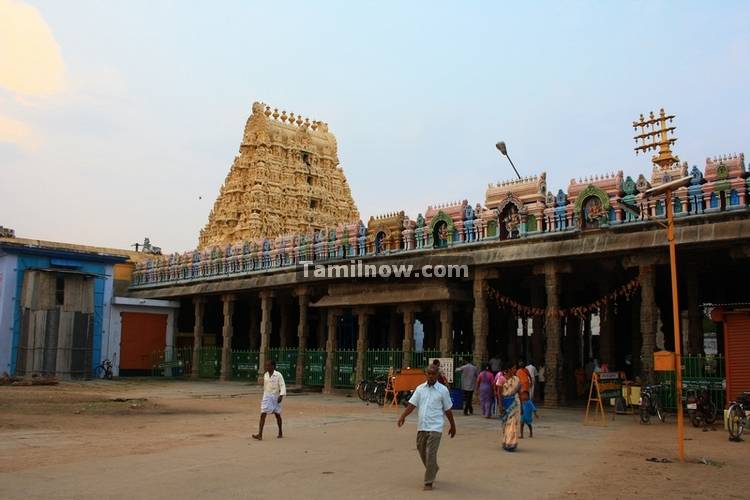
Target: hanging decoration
<point x="522" y="310"/>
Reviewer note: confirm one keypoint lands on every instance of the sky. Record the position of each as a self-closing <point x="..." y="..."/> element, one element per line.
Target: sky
<point x="120" y="120"/>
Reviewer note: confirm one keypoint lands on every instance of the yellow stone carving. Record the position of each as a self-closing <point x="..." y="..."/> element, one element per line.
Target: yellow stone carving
<point x="286" y="180"/>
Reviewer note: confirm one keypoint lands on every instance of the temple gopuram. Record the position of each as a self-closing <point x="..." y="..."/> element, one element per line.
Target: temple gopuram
<point x="558" y="276"/>
<point x="285" y="180"/>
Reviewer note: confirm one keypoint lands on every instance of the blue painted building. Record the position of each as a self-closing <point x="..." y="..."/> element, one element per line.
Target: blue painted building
<point x="55" y="302"/>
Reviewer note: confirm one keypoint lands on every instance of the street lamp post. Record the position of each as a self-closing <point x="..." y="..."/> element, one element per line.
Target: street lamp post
<point x="654" y="133"/>
<point x="504" y="150"/>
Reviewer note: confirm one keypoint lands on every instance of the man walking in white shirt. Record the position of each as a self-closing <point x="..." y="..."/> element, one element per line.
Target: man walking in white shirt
<point x="274" y="390"/>
<point x="433" y="401"/>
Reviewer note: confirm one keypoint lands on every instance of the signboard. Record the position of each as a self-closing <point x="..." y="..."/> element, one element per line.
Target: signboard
<point x="610" y="385"/>
<point x="446" y="368"/>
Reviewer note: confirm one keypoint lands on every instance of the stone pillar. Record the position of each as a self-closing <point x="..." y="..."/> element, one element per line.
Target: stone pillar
<point x="266" y="298"/>
<point x="199" y="305"/>
<point x="330" y="351"/>
<point x="254" y="326"/>
<point x="695" y="318"/>
<point x="285" y="323"/>
<point x="537" y="324"/>
<point x="446" y="329"/>
<point x="552" y="333"/>
<point x="227" y="331"/>
<point x="647" y="277"/>
<point x="362" y="342"/>
<point x="303" y="298"/>
<point x="481" y="317"/>
<point x="408" y="343"/>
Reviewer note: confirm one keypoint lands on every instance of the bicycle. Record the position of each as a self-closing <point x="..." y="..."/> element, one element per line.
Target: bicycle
<point x="737" y="416"/>
<point x="650" y="403"/>
<point x="104" y="370"/>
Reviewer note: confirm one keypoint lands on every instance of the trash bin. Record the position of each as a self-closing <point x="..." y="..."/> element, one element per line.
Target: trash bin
<point x="457" y="398"/>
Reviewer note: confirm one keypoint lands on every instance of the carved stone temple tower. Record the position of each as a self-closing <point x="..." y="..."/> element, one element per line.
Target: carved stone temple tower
<point x="286" y="180"/>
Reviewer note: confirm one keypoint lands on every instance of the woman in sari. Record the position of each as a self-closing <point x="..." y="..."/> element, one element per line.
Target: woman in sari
<point x="485" y="383"/>
<point x="511" y="410"/>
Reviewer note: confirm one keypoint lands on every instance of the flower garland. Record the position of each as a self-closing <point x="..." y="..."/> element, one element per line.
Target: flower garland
<point x="625" y="291"/>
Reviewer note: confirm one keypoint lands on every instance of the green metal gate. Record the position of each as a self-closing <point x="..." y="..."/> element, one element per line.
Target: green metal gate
<point x="174" y="362"/>
<point x="314" y="367"/>
<point x="286" y="362"/>
<point x="422" y="359"/>
<point x="344" y="363"/>
<point x="697" y="372"/>
<point x="245" y="365"/>
<point x="209" y="362"/>
<point x="379" y="361"/>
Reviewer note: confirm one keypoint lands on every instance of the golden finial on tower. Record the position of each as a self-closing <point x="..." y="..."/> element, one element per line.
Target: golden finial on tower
<point x="654" y="133"/>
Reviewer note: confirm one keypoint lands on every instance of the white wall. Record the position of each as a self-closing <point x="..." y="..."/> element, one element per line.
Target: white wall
<point x="111" y="341"/>
<point x="8" y="264"/>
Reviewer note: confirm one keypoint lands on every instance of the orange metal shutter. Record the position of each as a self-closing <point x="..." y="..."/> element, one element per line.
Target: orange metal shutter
<point x="738" y="353"/>
<point x="142" y="334"/>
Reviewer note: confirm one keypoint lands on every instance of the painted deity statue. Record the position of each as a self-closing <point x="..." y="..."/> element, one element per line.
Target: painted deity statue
<point x="469" y="223"/>
<point x="512" y="223"/>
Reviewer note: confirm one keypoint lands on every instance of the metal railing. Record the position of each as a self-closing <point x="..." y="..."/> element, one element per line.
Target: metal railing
<point x="379" y="361"/>
<point x="314" y="367"/>
<point x="286" y="362"/>
<point x="697" y="372"/>
<point x="344" y="364"/>
<point x="245" y="364"/>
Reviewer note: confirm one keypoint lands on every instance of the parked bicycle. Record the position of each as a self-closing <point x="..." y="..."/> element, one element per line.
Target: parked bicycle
<point x="104" y="370"/>
<point x="651" y="403"/>
<point x="372" y="391"/>
<point x="701" y="409"/>
<point x="737" y="416"/>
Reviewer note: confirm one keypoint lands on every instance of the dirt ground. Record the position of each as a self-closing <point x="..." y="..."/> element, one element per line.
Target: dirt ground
<point x="179" y="439"/>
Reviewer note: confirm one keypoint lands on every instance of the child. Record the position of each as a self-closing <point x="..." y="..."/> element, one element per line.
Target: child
<point x="528" y="412"/>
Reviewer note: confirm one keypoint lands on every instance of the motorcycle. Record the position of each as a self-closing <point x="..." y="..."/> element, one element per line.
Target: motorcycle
<point x="701" y="410"/>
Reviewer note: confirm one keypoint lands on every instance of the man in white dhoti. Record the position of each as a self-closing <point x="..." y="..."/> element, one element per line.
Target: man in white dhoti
<point x="274" y="390"/>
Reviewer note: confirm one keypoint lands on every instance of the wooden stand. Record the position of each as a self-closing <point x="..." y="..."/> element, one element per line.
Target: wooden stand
<point x="595" y="396"/>
<point x="407" y="380"/>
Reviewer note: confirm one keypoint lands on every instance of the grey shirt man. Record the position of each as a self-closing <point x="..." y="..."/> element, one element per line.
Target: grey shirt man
<point x="468" y="376"/>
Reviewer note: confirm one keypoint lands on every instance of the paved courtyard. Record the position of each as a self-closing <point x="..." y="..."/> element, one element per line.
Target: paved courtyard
<point x="177" y="439"/>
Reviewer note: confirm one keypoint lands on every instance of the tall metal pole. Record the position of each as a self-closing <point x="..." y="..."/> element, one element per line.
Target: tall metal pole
<point x="655" y="134"/>
<point x="676" y="326"/>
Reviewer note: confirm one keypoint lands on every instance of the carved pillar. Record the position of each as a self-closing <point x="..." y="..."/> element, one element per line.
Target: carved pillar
<point x="199" y="305"/>
<point x="266" y="298"/>
<point x="552" y="333"/>
<point x="695" y="318"/>
<point x="254" y="326"/>
<point x="537" y="325"/>
<point x="227" y="331"/>
<point x="446" y="329"/>
<point x="408" y="343"/>
<point x="302" y="330"/>
<point x="481" y="317"/>
<point x="330" y="351"/>
<point x="362" y="341"/>
<point x="646" y="276"/>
